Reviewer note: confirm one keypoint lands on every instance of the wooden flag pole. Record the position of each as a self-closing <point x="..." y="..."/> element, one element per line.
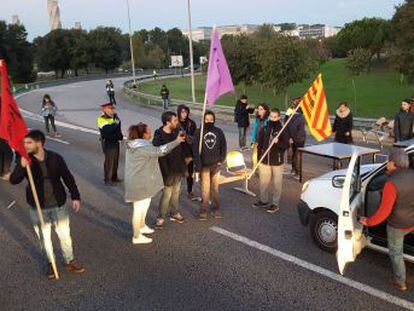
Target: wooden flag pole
<point x="273" y="142"/>
<point x="40" y="216"/>
<point x="200" y="145"/>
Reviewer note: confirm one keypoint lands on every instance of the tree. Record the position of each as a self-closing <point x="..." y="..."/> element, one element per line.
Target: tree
<point x="54" y="51"/>
<point x="17" y="52"/>
<point x="80" y="51"/>
<point x="241" y="54"/>
<point x="106" y="47"/>
<point x="284" y="61"/>
<point x="357" y="62"/>
<point x="402" y="37"/>
<point x="369" y="33"/>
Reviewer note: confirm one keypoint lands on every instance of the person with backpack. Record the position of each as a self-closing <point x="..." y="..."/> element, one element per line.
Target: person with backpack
<point x="242" y="113"/>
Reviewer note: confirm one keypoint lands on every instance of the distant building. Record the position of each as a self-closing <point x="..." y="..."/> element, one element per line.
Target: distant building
<point x="199" y="34"/>
<point x="54" y="14"/>
<point x="204" y="33"/>
<point x="236" y="30"/>
<point x="16" y="20"/>
<point x="78" y="26"/>
<point x="317" y="31"/>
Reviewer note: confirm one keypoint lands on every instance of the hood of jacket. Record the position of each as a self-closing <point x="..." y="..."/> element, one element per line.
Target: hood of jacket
<point x="344" y="113"/>
<point x="137" y="143"/>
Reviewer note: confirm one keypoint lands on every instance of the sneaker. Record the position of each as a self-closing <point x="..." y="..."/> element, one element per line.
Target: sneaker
<point x="178" y="218"/>
<point x="260" y="204"/>
<point x="296" y="176"/>
<point x="216" y="214"/>
<point x="147" y="230"/>
<point x="75" y="267"/>
<point x="49" y="272"/>
<point x="191" y="196"/>
<point x="202" y="216"/>
<point x="160" y="223"/>
<point x="272" y="209"/>
<point x="110" y="184"/>
<point x="142" y="239"/>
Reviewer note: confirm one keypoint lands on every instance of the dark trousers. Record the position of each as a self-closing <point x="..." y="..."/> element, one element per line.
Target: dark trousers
<point x="295" y="156"/>
<point x="6" y="157"/>
<point x="210" y="177"/>
<point x="50" y="119"/>
<point x="112" y="98"/>
<point x="190" y="180"/>
<point x="242" y="136"/>
<point x="111" y="164"/>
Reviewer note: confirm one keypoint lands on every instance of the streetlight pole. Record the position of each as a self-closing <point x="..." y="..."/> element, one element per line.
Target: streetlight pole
<point x="190" y="37"/>
<point x="131" y="46"/>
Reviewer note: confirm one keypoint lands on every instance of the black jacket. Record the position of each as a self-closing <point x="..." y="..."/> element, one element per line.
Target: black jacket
<point x="189" y="127"/>
<point x="165" y="93"/>
<point x="111" y="132"/>
<point x="403" y="126"/>
<point x="214" y="149"/>
<point x="296" y="128"/>
<point x="343" y="124"/>
<point x="172" y="166"/>
<point x="241" y="114"/>
<point x="58" y="172"/>
<point x="276" y="155"/>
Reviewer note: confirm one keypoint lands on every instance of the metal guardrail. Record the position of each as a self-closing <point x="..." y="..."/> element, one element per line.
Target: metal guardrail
<point x="155" y="100"/>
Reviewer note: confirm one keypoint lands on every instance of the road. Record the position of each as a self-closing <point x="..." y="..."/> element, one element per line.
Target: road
<point x="249" y="260"/>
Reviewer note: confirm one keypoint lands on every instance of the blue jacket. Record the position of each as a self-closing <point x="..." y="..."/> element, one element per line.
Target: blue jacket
<point x="255" y="131"/>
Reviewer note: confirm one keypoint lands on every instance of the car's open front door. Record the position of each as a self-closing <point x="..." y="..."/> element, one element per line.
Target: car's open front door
<point x="351" y="239"/>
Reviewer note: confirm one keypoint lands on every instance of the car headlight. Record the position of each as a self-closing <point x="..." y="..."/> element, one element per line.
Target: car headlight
<point x="305" y="186"/>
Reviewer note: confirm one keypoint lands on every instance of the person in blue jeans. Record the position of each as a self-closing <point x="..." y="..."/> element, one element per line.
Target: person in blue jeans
<point x="50" y="172"/>
<point x="397" y="209"/>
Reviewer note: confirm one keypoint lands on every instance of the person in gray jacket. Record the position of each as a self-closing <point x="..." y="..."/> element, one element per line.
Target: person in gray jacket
<point x="143" y="179"/>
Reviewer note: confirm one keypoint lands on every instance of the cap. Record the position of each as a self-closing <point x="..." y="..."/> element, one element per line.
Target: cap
<point x="107" y="105"/>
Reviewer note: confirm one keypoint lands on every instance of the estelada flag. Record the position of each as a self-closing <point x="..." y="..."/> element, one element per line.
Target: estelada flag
<point x="13" y="129"/>
<point x="315" y="110"/>
<point x="219" y="81"/>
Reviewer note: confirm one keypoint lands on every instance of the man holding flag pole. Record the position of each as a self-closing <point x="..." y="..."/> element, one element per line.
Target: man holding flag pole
<point x="44" y="171"/>
<point x="315" y="110"/>
<point x="210" y="146"/>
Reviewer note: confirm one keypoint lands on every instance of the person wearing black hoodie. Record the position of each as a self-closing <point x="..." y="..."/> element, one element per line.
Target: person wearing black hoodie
<point x="189" y="127"/>
<point x="271" y="169"/>
<point x="173" y="169"/>
<point x="208" y="163"/>
<point x="242" y="118"/>
<point x="297" y="134"/>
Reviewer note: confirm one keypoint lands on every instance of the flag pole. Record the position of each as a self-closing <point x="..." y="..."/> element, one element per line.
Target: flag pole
<point x="273" y="142"/>
<point x="40" y="216"/>
<point x="200" y="146"/>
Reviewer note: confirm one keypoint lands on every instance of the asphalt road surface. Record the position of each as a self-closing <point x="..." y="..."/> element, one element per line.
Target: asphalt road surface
<point x="249" y="260"/>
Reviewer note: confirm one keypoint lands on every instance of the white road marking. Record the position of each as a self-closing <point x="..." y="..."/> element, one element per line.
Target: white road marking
<point x="58" y="140"/>
<point x="317" y="269"/>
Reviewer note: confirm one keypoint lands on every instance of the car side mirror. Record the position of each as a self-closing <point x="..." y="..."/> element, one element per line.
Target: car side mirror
<point x="338" y="181"/>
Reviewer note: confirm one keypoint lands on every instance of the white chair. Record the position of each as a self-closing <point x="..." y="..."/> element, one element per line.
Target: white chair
<point x="237" y="169"/>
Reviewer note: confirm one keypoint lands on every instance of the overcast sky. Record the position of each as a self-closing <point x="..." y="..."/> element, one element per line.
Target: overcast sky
<point x="170" y="13"/>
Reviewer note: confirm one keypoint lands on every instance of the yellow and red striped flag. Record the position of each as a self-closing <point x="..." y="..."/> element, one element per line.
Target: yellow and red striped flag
<point x="315" y="110"/>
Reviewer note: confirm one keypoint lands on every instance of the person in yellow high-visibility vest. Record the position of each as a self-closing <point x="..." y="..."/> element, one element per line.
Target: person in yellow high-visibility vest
<point x="109" y="126"/>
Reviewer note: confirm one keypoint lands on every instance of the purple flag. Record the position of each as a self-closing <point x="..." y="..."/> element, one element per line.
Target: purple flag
<point x="219" y="80"/>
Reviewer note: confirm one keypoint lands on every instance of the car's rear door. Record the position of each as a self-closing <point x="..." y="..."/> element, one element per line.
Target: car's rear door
<point x="351" y="238"/>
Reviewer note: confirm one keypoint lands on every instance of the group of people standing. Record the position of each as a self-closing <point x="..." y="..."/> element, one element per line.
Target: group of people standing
<point x="160" y="160"/>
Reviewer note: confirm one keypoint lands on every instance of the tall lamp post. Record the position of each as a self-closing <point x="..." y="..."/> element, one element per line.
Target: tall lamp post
<point x="190" y="36"/>
<point x="131" y="46"/>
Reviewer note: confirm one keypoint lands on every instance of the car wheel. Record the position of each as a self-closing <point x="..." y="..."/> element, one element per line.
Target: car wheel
<point x="324" y="230"/>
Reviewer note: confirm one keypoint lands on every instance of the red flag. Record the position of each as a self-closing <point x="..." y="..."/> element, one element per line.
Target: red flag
<point x="13" y="129"/>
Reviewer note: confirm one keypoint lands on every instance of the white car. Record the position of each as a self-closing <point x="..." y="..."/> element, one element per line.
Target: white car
<point x="331" y="204"/>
